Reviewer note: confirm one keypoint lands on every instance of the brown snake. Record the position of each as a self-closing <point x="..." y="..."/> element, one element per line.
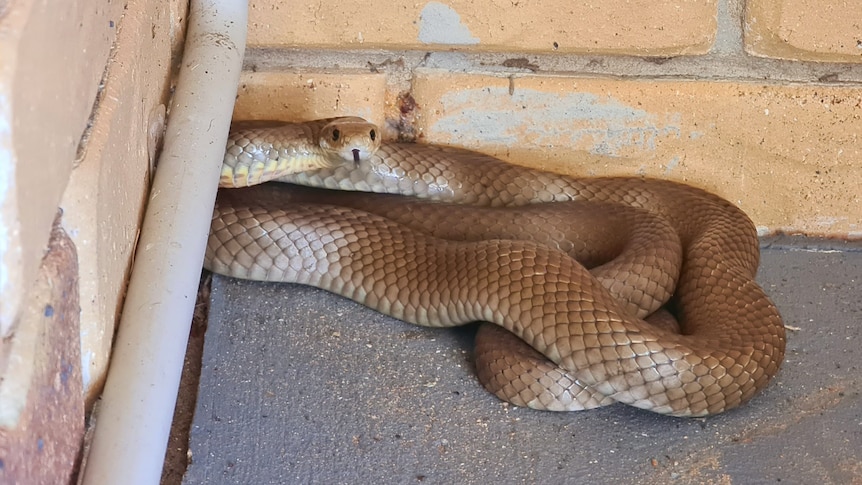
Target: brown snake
<point x="505" y="254"/>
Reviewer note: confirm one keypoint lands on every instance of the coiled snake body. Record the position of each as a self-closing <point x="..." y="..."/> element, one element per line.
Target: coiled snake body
<point x="499" y="245"/>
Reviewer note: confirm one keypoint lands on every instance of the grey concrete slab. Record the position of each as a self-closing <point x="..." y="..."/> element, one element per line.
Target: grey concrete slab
<point x="301" y="386"/>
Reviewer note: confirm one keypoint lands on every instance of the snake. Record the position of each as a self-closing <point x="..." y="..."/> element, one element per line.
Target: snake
<point x="593" y="290"/>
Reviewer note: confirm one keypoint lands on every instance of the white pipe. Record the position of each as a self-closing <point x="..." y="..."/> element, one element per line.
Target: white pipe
<point x="137" y="407"/>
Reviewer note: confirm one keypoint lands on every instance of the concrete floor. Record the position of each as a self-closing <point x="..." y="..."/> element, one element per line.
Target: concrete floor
<point x="300" y="386"/>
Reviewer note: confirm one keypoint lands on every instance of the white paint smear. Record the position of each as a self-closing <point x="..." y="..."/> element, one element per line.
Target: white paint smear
<point x="440" y="24"/>
<point x="602" y="126"/>
<point x="7" y="207"/>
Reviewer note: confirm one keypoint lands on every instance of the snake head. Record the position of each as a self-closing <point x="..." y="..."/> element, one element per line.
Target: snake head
<point x="350" y="139"/>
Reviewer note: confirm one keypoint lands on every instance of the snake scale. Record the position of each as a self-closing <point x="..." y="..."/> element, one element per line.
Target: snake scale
<point x="576" y="273"/>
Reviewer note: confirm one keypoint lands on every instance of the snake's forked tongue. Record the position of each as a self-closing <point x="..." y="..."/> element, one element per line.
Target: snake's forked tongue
<point x="356" y="155"/>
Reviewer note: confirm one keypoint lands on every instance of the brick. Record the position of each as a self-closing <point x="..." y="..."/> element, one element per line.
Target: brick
<point x="104" y="201"/>
<point x="310" y="95"/>
<point x="808" y="30"/>
<point x="636" y="27"/>
<point x="786" y="154"/>
<point x="41" y="402"/>
<point x="45" y="108"/>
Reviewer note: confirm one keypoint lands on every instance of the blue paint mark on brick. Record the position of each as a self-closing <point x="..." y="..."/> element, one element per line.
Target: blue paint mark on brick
<point x="441" y="24"/>
<point x="66" y="369"/>
<point x="671" y="165"/>
<point x="603" y="126"/>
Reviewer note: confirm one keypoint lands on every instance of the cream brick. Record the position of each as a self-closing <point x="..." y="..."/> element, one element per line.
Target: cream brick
<point x="787" y="155"/>
<point x="52" y="55"/>
<point x="809" y="30"/>
<point x="637" y="27"/>
<point x="309" y="95"/>
<point x="104" y="201"/>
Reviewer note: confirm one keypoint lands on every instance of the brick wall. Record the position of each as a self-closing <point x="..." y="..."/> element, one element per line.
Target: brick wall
<point x="83" y="89"/>
<point x="758" y="101"/>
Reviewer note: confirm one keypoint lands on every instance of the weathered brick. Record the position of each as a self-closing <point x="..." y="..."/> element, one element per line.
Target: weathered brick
<point x="104" y="201"/>
<point x="53" y="54"/>
<point x="804" y="30"/>
<point x="637" y="27"/>
<point x="41" y="402"/>
<point x="786" y="154"/>
<point x="310" y="95"/>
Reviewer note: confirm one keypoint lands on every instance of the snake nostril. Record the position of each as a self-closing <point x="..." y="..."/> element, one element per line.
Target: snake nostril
<point x="373" y="135"/>
<point x="336" y="134"/>
<point x="356" y="155"/>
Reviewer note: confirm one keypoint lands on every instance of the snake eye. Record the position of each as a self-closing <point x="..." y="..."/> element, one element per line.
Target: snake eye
<point x="373" y="135"/>
<point x="336" y="134"/>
